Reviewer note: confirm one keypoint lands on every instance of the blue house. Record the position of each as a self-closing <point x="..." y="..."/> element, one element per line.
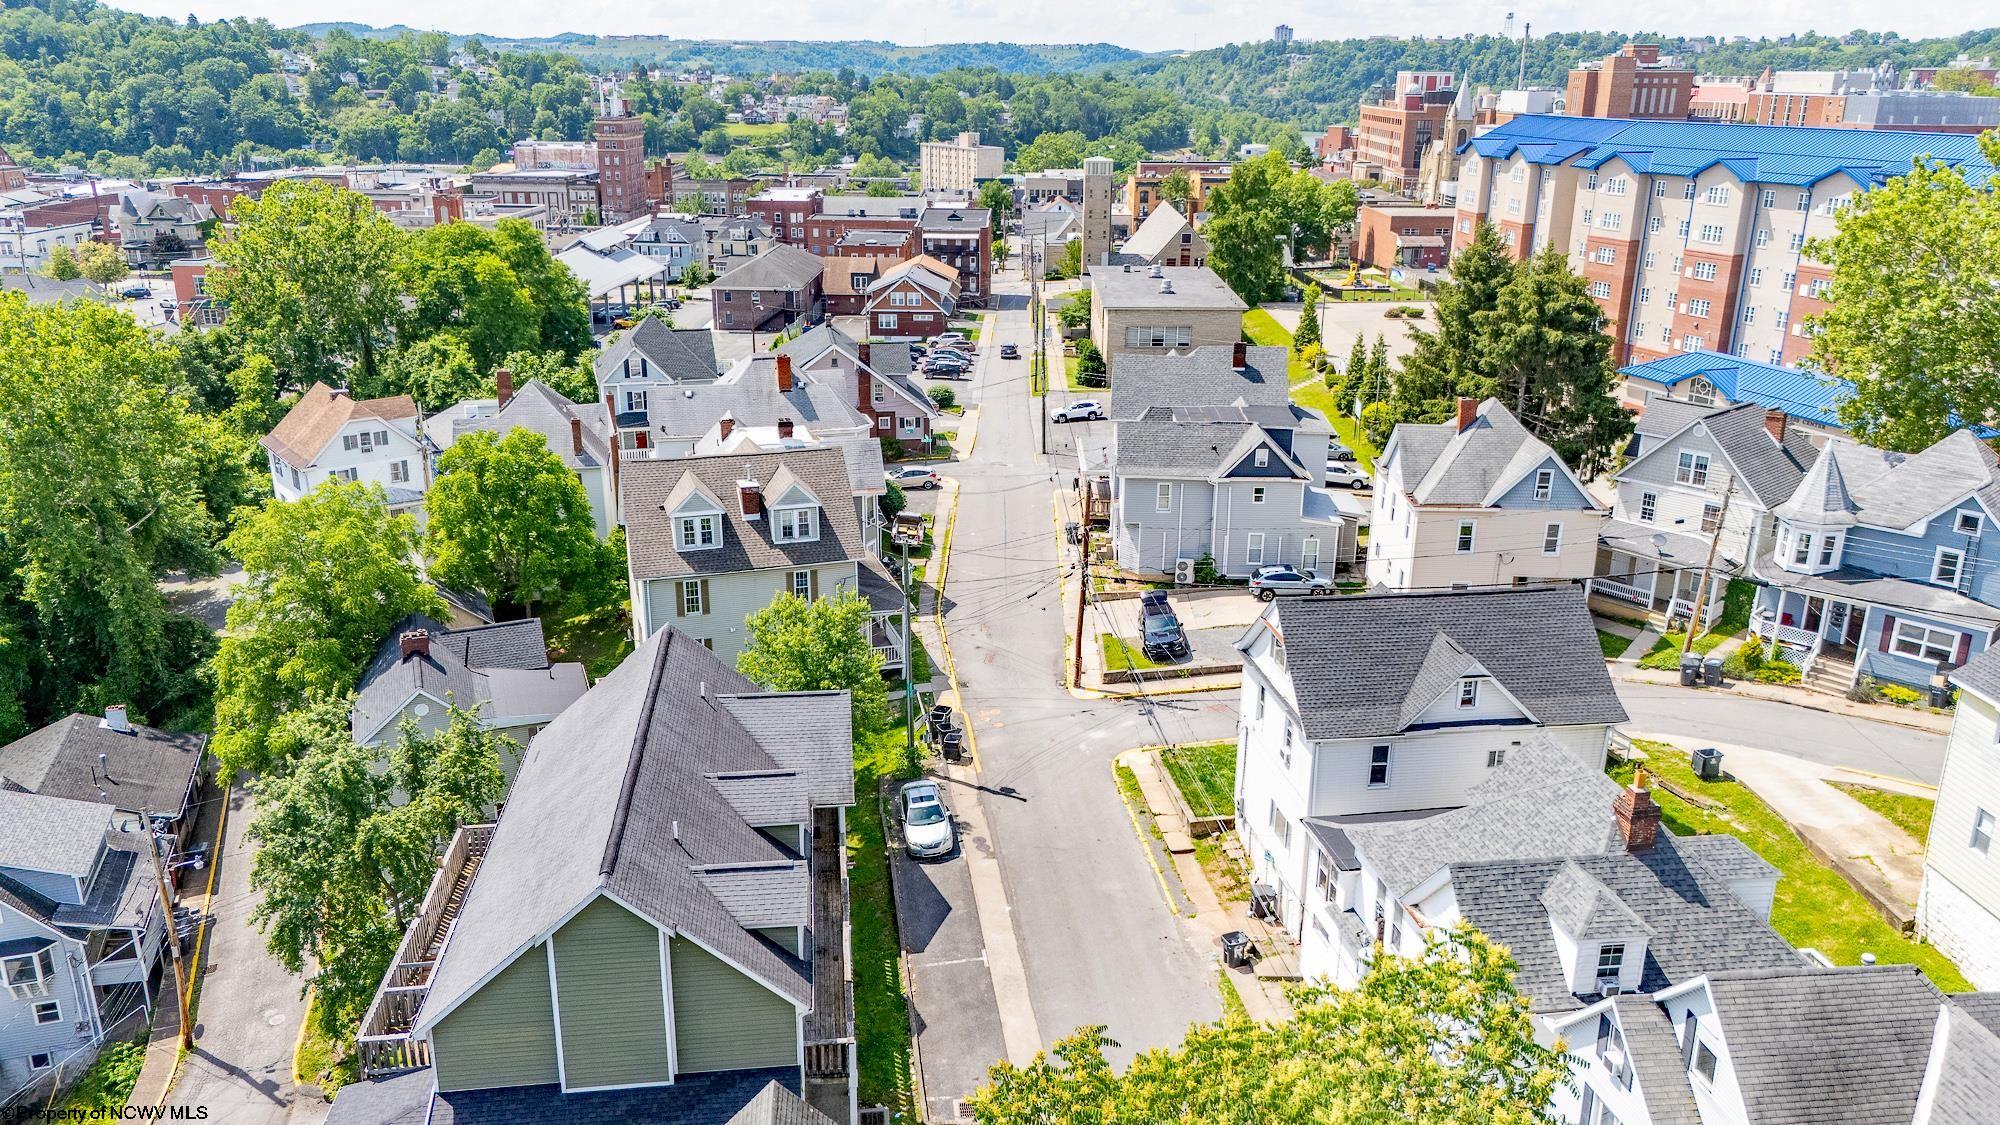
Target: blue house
<point x="1878" y="566"/>
<point x="1706" y="378"/>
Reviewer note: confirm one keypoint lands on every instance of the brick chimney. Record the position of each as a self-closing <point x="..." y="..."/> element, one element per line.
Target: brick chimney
<point x="576" y="436"/>
<point x="750" y="493"/>
<point x="416" y="642"/>
<point x="1774" y="423"/>
<point x="784" y="427"/>
<point x="1239" y="356"/>
<point x="1468" y="413"/>
<point x="503" y="382"/>
<point x="1638" y="817"/>
<point x="728" y="423"/>
<point x="862" y="352"/>
<point x="784" y="374"/>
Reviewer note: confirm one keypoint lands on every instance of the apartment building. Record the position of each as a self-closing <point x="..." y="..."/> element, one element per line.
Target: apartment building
<point x="1394" y="132"/>
<point x="1691" y="236"/>
<point x="621" y="169"/>
<point x="957" y="166"/>
<point x="785" y="210"/>
<point x="1636" y="82"/>
<point x="1142" y="187"/>
<point x="569" y="195"/>
<point x="1165" y="308"/>
<point x="1394" y="235"/>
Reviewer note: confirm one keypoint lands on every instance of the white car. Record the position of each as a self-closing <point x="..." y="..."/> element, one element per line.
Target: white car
<point x="913" y="476"/>
<point x="1083" y="410"/>
<point x="1268" y="582"/>
<point x="928" y="831"/>
<point x="1346" y="474"/>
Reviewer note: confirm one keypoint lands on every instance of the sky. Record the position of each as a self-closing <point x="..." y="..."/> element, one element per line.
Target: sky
<point x="1149" y="25"/>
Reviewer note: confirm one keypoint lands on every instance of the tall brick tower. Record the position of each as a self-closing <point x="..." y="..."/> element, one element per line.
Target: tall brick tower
<point x="621" y="168"/>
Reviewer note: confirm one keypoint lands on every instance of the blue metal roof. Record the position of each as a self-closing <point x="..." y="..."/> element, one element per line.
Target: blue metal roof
<point x="1802" y="394"/>
<point x="1776" y="154"/>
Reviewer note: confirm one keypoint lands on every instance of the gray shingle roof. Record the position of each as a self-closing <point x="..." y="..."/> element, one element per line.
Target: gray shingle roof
<point x="749" y="394"/>
<point x="1195" y="442"/>
<point x="776" y="1105"/>
<point x="1968" y="1069"/>
<point x="678" y="355"/>
<point x="780" y="267"/>
<point x="1908" y="489"/>
<point x="711" y="1098"/>
<point x="536" y="407"/>
<point x="646" y="486"/>
<point x="1441" y="464"/>
<point x="891" y="362"/>
<point x="1656" y="1061"/>
<point x="1815" y="1045"/>
<point x="144" y="768"/>
<point x="1199" y="377"/>
<point x="480" y="668"/>
<point x="1587" y="909"/>
<point x="1981" y="673"/>
<point x="1821" y="498"/>
<point x="614" y="796"/>
<point x="1768" y="469"/>
<point x="1354" y="660"/>
<point x="53" y="834"/>
<point x="1665" y="417"/>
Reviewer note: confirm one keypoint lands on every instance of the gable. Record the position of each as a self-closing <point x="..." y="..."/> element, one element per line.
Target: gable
<point x="503" y="1034"/>
<point x="796" y="497"/>
<point x="1658" y="464"/>
<point x="1492" y="704"/>
<point x="698" y="503"/>
<point x="1563" y="490"/>
<point x="1277" y="464"/>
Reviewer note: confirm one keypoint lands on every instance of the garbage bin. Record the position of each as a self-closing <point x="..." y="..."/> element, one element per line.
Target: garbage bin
<point x="1707" y="763"/>
<point x="1711" y="671"/>
<point x="1690" y="670"/>
<point x="1236" y="949"/>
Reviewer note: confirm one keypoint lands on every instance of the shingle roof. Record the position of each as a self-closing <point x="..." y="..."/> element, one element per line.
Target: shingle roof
<point x="143" y="768"/>
<point x="890" y="362"/>
<point x="1155" y="235"/>
<point x="1199" y="377"/>
<point x="1656" y="1061"/>
<point x="749" y="394"/>
<point x="1803" y="394"/>
<point x="615" y="796"/>
<point x="776" y="1105"/>
<point x="1665" y="417"/>
<point x="535" y="406"/>
<point x="467" y="668"/>
<point x="1968" y="1066"/>
<point x="780" y="267"/>
<point x="1980" y="674"/>
<point x="1585" y="908"/>
<point x="1768" y="469"/>
<point x="319" y="414"/>
<point x="1908" y="489"/>
<point x="53" y="834"/>
<point x="1353" y="660"/>
<point x="1815" y="1045"/>
<point x="1821" y="498"/>
<point x="1442" y="464"/>
<point x="678" y="355"/>
<point x="746" y="545"/>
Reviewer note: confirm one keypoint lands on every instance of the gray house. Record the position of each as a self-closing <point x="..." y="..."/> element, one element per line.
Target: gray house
<point x="1209" y="457"/>
<point x="499" y="672"/>
<point x="110" y="760"/>
<point x="655" y="930"/>
<point x="575" y="432"/>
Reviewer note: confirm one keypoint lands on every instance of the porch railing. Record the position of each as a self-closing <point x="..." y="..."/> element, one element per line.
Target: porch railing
<point x="385" y="1044"/>
<point x="1711" y="608"/>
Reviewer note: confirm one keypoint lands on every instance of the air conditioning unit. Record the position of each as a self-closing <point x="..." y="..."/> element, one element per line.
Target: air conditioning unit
<point x="1183" y="572"/>
<point x="1607" y="987"/>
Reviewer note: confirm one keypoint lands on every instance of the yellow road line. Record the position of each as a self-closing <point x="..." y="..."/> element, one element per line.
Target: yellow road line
<point x="1145" y="845"/>
<point x="200" y="936"/>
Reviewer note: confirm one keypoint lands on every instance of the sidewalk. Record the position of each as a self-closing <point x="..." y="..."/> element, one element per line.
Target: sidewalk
<point x="163" y="1044"/>
<point x="1799" y="697"/>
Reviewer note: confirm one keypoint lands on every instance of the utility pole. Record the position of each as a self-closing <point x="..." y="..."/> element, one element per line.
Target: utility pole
<point x="1701" y="591"/>
<point x="1082" y="597"/>
<point x="173" y="930"/>
<point x="909" y="665"/>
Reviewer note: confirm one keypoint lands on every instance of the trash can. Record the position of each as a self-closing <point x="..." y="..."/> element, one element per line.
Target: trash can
<point x="1707" y="763"/>
<point x="1236" y="949"/>
<point x="954" y="744"/>
<point x="1690" y="670"/>
<point x="1711" y="671"/>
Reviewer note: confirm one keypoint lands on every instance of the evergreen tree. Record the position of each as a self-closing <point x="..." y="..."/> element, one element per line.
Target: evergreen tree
<point x="1546" y="346"/>
<point x="1308" y="330"/>
<point x="1447" y="363"/>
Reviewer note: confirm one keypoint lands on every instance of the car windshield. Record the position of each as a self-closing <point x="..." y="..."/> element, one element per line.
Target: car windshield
<point x="1162" y="626"/>
<point x="926" y="812"/>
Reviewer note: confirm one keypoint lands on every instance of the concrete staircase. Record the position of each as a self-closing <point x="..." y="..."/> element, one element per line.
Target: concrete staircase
<point x="1831" y="672"/>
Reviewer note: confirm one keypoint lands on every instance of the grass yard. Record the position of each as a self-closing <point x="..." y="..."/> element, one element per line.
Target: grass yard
<point x="321" y="1061"/>
<point x="768" y="131"/>
<point x="106" y="1086"/>
<point x="881" y="1006"/>
<point x="1205" y="773"/>
<point x="1909" y="813"/>
<point x="1119" y="655"/>
<point x="1613" y="644"/>
<point x="1666" y="652"/>
<point x="1308" y="388"/>
<point x="1260" y="327"/>
<point x="600" y="643"/>
<point x="1815" y="907"/>
<point x="1074" y="380"/>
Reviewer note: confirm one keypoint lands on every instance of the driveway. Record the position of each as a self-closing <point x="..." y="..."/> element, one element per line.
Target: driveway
<point x="240" y="1068"/>
<point x="1818" y="736"/>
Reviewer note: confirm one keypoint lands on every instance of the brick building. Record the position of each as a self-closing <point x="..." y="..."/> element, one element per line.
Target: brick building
<point x="962" y="237"/>
<point x="1389" y="236"/>
<point x="1634" y="83"/>
<point x="1394" y="131"/>
<point x="786" y="211"/>
<point x="1142" y="187"/>
<point x="621" y="170"/>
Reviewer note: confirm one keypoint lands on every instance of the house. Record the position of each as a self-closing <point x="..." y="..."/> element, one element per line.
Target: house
<point x="678" y="240"/>
<point x="656" y="928"/>
<point x="845" y="279"/>
<point x="1477" y="501"/>
<point x="877" y="378"/>
<point x="328" y="434"/>
<point x="962" y="238"/>
<point x="26" y="248"/>
<point x="1166" y="238"/>
<point x="1053" y="223"/>
<point x="1378" y="708"/>
<point x="733" y="240"/>
<point x="1134" y="311"/>
<point x="499" y="672"/>
<point x="193" y="306"/>
<point x="574" y="432"/>
<point x="155" y="229"/>
<point x="81" y="934"/>
<point x="1701" y="477"/>
<point x="140" y="771"/>
<point x="1208" y="457"/>
<point x="912" y="301"/>
<point x="769" y="293"/>
<point x="1958" y="907"/>
<point x="712" y="540"/>
<point x="1877" y="567"/>
<point x="1706" y="378"/>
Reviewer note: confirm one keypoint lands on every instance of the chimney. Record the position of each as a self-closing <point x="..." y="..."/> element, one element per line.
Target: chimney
<point x="115" y="718"/>
<point x="751" y="494"/>
<point x="784" y="427"/>
<point x="862" y="351"/>
<point x="416" y="642"/>
<point x="503" y="381"/>
<point x="1638" y="817"/>
<point x="728" y="422"/>
<point x="1239" y="357"/>
<point x="784" y="375"/>
<point x="1468" y="412"/>
<point x="576" y="436"/>
<point x="1774" y="423"/>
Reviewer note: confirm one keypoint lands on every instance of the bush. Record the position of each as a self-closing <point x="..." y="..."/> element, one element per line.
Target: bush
<point x="1900" y="695"/>
<point x="1750" y="663"/>
<point x="1090" y="368"/>
<point x="944" y="398"/>
<point x="1414" y="312"/>
<point x="1205" y="573"/>
<point x="892" y="501"/>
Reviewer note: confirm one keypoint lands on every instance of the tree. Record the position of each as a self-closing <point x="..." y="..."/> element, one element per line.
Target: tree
<point x="308" y="271"/>
<point x="1266" y="213"/>
<point x="1447" y="364"/>
<point x="438" y="371"/>
<point x="62" y="264"/>
<point x="101" y="263"/>
<point x="324" y="579"/>
<point x="1075" y="314"/>
<point x="1547" y="349"/>
<point x="997" y="196"/>
<point x="1070" y="263"/>
<point x="1913" y="318"/>
<point x="573" y="379"/>
<point x="1090" y="367"/>
<point x="1176" y="189"/>
<point x="944" y="397"/>
<point x="453" y="280"/>
<point x="1051" y="150"/>
<point x="509" y="519"/>
<point x="1307" y="333"/>
<point x="1438" y="1037"/>
<point x="348" y="839"/>
<point x="1001" y="252"/>
<point x="892" y="500"/>
<point x="819" y="645"/>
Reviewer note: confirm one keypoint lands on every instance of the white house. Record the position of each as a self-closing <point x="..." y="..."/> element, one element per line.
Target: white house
<point x="1477" y="501"/>
<point x="575" y="432"/>
<point x="331" y="435"/>
<point x="1958" y="908"/>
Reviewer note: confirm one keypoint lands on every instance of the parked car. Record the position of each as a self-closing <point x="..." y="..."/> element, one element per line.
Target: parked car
<point x="1010" y="351"/>
<point x="1082" y="410"/>
<point x="1161" y="636"/>
<point x="1270" y="581"/>
<point x="136" y="292"/>
<point x="1338" y="452"/>
<point x="946" y="368"/>
<point x="1346" y="474"/>
<point x="928" y="832"/>
<point x="913" y="476"/>
<point x="946" y="338"/>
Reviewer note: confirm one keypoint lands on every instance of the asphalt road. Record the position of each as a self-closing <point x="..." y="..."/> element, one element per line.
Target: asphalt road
<point x="1819" y="736"/>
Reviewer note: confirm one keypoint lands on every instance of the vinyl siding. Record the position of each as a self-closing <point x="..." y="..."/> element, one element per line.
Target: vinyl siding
<point x="1562" y="493"/>
<point x="1430" y="770"/>
<point x="733" y="597"/>
<point x="1151" y="539"/>
<point x="608" y="992"/>
<point x="787" y="938"/>
<point x="1911" y="556"/>
<point x="502" y="1035"/>
<point x="1506" y="546"/>
<point x="1971" y="781"/>
<point x="20" y="1035"/>
<point x="724" y="1020"/>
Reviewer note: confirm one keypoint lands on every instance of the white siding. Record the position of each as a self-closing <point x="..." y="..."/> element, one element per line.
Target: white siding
<point x="1959" y="908"/>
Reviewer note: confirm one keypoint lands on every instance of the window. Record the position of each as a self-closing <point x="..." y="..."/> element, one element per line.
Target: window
<point x="1600" y="289"/>
<point x="1604" y="256"/>
<point x="1260" y="703"/>
<point x="1763" y="236"/>
<point x="1649" y="504"/>
<point x="1770" y="198"/>
<point x="348" y="475"/>
<point x="1704" y="271"/>
<point x="1982" y="832"/>
<point x="1703" y="1063"/>
<point x="28" y="968"/>
<point x="1552" y="539"/>
<point x="1653" y="225"/>
<point x="1615" y="185"/>
<point x="1590" y="182"/>
<point x="1820" y="289"/>
<point x="691" y="604"/>
<point x="1262" y="458"/>
<point x="1651" y="259"/>
<point x="1698" y="306"/>
<point x="1969" y="523"/>
<point x="697" y="532"/>
<point x="1281" y="827"/>
<point x="1687" y="190"/>
<point x="41" y="1060"/>
<point x="1611" y="220"/>
<point x="1946" y="565"/>
<point x="802" y="584"/>
<point x="1587" y="213"/>
<point x="1659" y="189"/>
<point x="48" y="1011"/>
<point x="1796" y="241"/>
<point x="1610" y="959"/>
<point x="1545" y="481"/>
<point x="1163" y="497"/>
<point x="1711" y="518"/>
<point x="798" y="525"/>
<point x="1718" y="193"/>
<point x="1519" y="174"/>
<point x="1465" y="528"/>
<point x="1645" y="295"/>
<point x="1790" y="279"/>
<point x="1802" y="548"/>
<point x="1141" y="336"/>
<point x="1257" y="495"/>
<point x="1749" y="317"/>
<point x="1681" y="229"/>
<point x="1496" y="757"/>
<point x="1805" y="201"/>
<point x="1701" y="392"/>
<point x="1285" y="745"/>
<point x="1923" y="642"/>
<point x="1711" y="232"/>
<point x="635" y="401"/>
<point x="1468" y="692"/>
<point x="1253" y="548"/>
<point x="1828" y="544"/>
<point x="1757" y="275"/>
<point x="1378" y="765"/>
<point x="885" y="320"/>
<point x="1692" y="469"/>
<point x="399" y="473"/>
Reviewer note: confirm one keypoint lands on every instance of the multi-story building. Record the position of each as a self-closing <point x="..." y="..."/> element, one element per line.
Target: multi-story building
<point x="786" y="211"/>
<point x="961" y="237"/>
<point x="1711" y="379"/>
<point x="1166" y="308"/>
<point x="830" y="235"/>
<point x="578" y="156"/>
<point x="913" y="300"/>
<point x="1958" y="908"/>
<point x="1394" y="132"/>
<point x="769" y="292"/>
<point x="1636" y="83"/>
<point x="1400" y="235"/>
<point x="1691" y="236"/>
<point x="1166" y="238"/>
<point x="1142" y="187"/>
<point x="568" y="195"/>
<point x="331" y="435"/>
<point x="958" y="166"/>
<point x="1841" y="99"/>
<point x="621" y="169"/>
<point x="155" y="229"/>
<point x="1094" y="221"/>
<point x="575" y="432"/>
<point x="1052" y="183"/>
<point x="26" y="248"/>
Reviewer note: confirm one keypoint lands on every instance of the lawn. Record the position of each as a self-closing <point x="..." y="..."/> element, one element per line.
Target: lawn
<point x="1308" y="388"/>
<point x="1613" y="644"/>
<point x="1205" y="773"/>
<point x="1120" y="655"/>
<point x="881" y="1007"/>
<point x="601" y="643"/>
<point x="1815" y="907"/>
<point x="1665" y="655"/>
<point x="1075" y="381"/>
<point x="738" y="131"/>
<point x="1260" y="327"/>
<point x="320" y="1061"/>
<point x="1666" y="652"/>
<point x="105" y="1087"/>
<point x="1909" y="813"/>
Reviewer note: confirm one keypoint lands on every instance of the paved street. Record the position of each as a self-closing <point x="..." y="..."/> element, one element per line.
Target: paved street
<point x="1834" y="740"/>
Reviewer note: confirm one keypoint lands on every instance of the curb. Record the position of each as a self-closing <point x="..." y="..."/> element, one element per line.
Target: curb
<point x="1807" y="704"/>
<point x="1139" y="830"/>
<point x="937" y="622"/>
<point x="201" y="943"/>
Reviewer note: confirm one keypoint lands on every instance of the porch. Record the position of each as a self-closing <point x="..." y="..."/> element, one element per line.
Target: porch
<point x="385" y="1044"/>
<point x="1846" y="624"/>
<point x="1819" y="633"/>
<point x="830" y="1059"/>
<point x="1662" y="589"/>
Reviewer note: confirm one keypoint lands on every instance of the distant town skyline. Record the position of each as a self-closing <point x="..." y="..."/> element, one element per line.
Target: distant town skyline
<point x="1146" y="25"/>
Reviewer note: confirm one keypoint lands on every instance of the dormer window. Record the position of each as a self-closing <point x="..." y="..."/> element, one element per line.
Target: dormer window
<point x="1545" y="482"/>
<point x="698" y="532"/>
<point x="1701" y="392"/>
<point x="1969" y="523"/>
<point x="1610" y="960"/>
<point x="1468" y="692"/>
<point x="798" y="525"/>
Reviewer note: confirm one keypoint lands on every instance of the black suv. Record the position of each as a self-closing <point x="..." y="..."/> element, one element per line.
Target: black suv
<point x="1160" y="634"/>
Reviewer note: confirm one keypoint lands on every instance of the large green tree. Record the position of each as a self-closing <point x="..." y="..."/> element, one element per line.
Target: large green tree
<point x="453" y="280"/>
<point x="818" y="645"/>
<point x="1438" y="1037"/>
<point x="1265" y="212"/>
<point x="1914" y="318"/>
<point x="324" y="578"/>
<point x="509" y="519"/>
<point x="1551" y="359"/>
<point x="1448" y="363"/>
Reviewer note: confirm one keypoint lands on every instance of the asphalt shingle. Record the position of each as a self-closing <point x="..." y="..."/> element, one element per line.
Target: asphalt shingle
<point x="648" y="484"/>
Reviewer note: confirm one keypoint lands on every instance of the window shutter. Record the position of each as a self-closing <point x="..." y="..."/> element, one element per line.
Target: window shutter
<point x="812" y="594"/>
<point x="1888" y="629"/>
<point x="704" y="597"/>
<point x="1964" y="649"/>
<point x="680" y="599"/>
